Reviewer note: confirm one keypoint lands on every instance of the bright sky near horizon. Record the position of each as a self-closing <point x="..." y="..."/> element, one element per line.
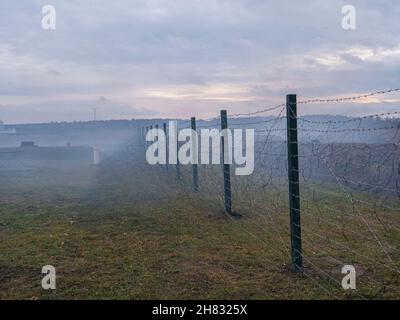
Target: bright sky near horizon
<point x="180" y="58"/>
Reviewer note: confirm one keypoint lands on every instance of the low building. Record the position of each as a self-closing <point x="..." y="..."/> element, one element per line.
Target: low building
<point x="30" y="155"/>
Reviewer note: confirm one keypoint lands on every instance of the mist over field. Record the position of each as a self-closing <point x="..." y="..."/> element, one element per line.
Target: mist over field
<point x="199" y="150"/>
<point x="116" y="212"/>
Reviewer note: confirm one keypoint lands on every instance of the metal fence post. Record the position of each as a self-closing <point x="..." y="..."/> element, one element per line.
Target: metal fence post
<point x="146" y="144"/>
<point x="178" y="170"/>
<point x="143" y="137"/>
<point x="226" y="167"/>
<point x="195" y="171"/>
<point x="158" y="144"/>
<point x="151" y="135"/>
<point x="293" y="175"/>
<point x="166" y="144"/>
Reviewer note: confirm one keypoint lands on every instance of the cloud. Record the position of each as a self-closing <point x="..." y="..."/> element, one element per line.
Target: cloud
<point x="183" y="58"/>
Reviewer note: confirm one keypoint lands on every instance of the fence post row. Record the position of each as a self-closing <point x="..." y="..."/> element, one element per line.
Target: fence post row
<point x="195" y="171"/>
<point x="293" y="176"/>
<point x="226" y="167"/>
<point x="293" y="173"/>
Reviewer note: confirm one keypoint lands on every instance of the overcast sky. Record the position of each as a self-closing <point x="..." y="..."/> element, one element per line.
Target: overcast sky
<point x="179" y="58"/>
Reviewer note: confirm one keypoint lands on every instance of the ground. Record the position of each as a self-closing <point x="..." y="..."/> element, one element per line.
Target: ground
<point x="112" y="235"/>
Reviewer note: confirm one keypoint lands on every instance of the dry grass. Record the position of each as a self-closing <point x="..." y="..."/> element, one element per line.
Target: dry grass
<point x="114" y="233"/>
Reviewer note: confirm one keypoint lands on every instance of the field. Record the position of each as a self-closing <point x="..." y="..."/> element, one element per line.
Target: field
<point x="200" y="150"/>
<point x="127" y="231"/>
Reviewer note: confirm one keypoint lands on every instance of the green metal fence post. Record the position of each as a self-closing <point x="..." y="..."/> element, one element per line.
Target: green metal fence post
<point x="293" y="175"/>
<point x="195" y="171"/>
<point x="226" y="166"/>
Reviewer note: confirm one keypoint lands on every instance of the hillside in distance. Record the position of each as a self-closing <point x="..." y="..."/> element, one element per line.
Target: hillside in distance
<point x="321" y="128"/>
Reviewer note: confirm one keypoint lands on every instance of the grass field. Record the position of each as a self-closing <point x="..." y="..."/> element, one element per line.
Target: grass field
<point x="114" y="233"/>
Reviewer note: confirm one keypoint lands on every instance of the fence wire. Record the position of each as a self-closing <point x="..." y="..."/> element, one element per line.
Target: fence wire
<point x="349" y="171"/>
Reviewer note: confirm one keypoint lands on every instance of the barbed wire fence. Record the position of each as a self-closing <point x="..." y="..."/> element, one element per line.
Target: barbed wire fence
<point x="325" y="193"/>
